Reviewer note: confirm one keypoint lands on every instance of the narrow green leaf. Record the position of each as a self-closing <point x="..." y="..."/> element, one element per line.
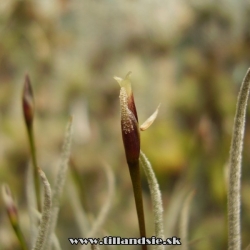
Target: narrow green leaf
<point x="60" y="180"/>
<point x="234" y="237"/>
<point x="46" y="215"/>
<point x="156" y="198"/>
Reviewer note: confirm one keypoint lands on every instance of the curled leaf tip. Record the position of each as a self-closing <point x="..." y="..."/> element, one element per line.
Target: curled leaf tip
<point x="128" y="75"/>
<point x="118" y="79"/>
<point x="125" y="83"/>
<point x="122" y="81"/>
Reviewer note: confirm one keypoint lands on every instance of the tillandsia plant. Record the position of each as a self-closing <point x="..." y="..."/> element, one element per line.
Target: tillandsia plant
<point x="29" y="111"/>
<point x="42" y="233"/>
<point x="43" y="221"/>
<point x="131" y="140"/>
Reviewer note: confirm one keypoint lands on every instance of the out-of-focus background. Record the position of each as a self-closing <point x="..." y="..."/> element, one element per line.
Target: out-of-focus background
<point x="190" y="56"/>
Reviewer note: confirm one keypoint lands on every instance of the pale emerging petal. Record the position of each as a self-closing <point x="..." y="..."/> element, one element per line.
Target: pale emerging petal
<point x="150" y="120"/>
<point x="125" y="83"/>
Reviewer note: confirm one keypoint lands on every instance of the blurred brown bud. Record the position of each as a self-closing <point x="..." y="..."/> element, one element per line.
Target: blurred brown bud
<point x="129" y="121"/>
<point x="9" y="204"/>
<point x="28" y="102"/>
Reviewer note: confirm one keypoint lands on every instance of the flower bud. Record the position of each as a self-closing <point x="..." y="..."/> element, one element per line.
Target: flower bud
<point x="129" y="121"/>
<point x="9" y="204"/>
<point x="28" y="102"/>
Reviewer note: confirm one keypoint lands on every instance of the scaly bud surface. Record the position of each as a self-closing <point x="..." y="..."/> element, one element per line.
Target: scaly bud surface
<point x="129" y="121"/>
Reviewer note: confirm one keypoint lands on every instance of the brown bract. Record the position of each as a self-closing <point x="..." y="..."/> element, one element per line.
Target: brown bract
<point x="129" y="121"/>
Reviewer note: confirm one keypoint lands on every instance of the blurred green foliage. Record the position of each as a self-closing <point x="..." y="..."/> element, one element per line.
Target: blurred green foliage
<point x="190" y="56"/>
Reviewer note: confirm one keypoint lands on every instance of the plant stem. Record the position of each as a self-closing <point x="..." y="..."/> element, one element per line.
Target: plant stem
<point x="35" y="168"/>
<point x="134" y="171"/>
<point x="20" y="236"/>
<point x="234" y="238"/>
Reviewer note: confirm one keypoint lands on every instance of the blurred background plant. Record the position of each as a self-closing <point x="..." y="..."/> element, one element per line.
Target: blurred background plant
<point x="190" y="56"/>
